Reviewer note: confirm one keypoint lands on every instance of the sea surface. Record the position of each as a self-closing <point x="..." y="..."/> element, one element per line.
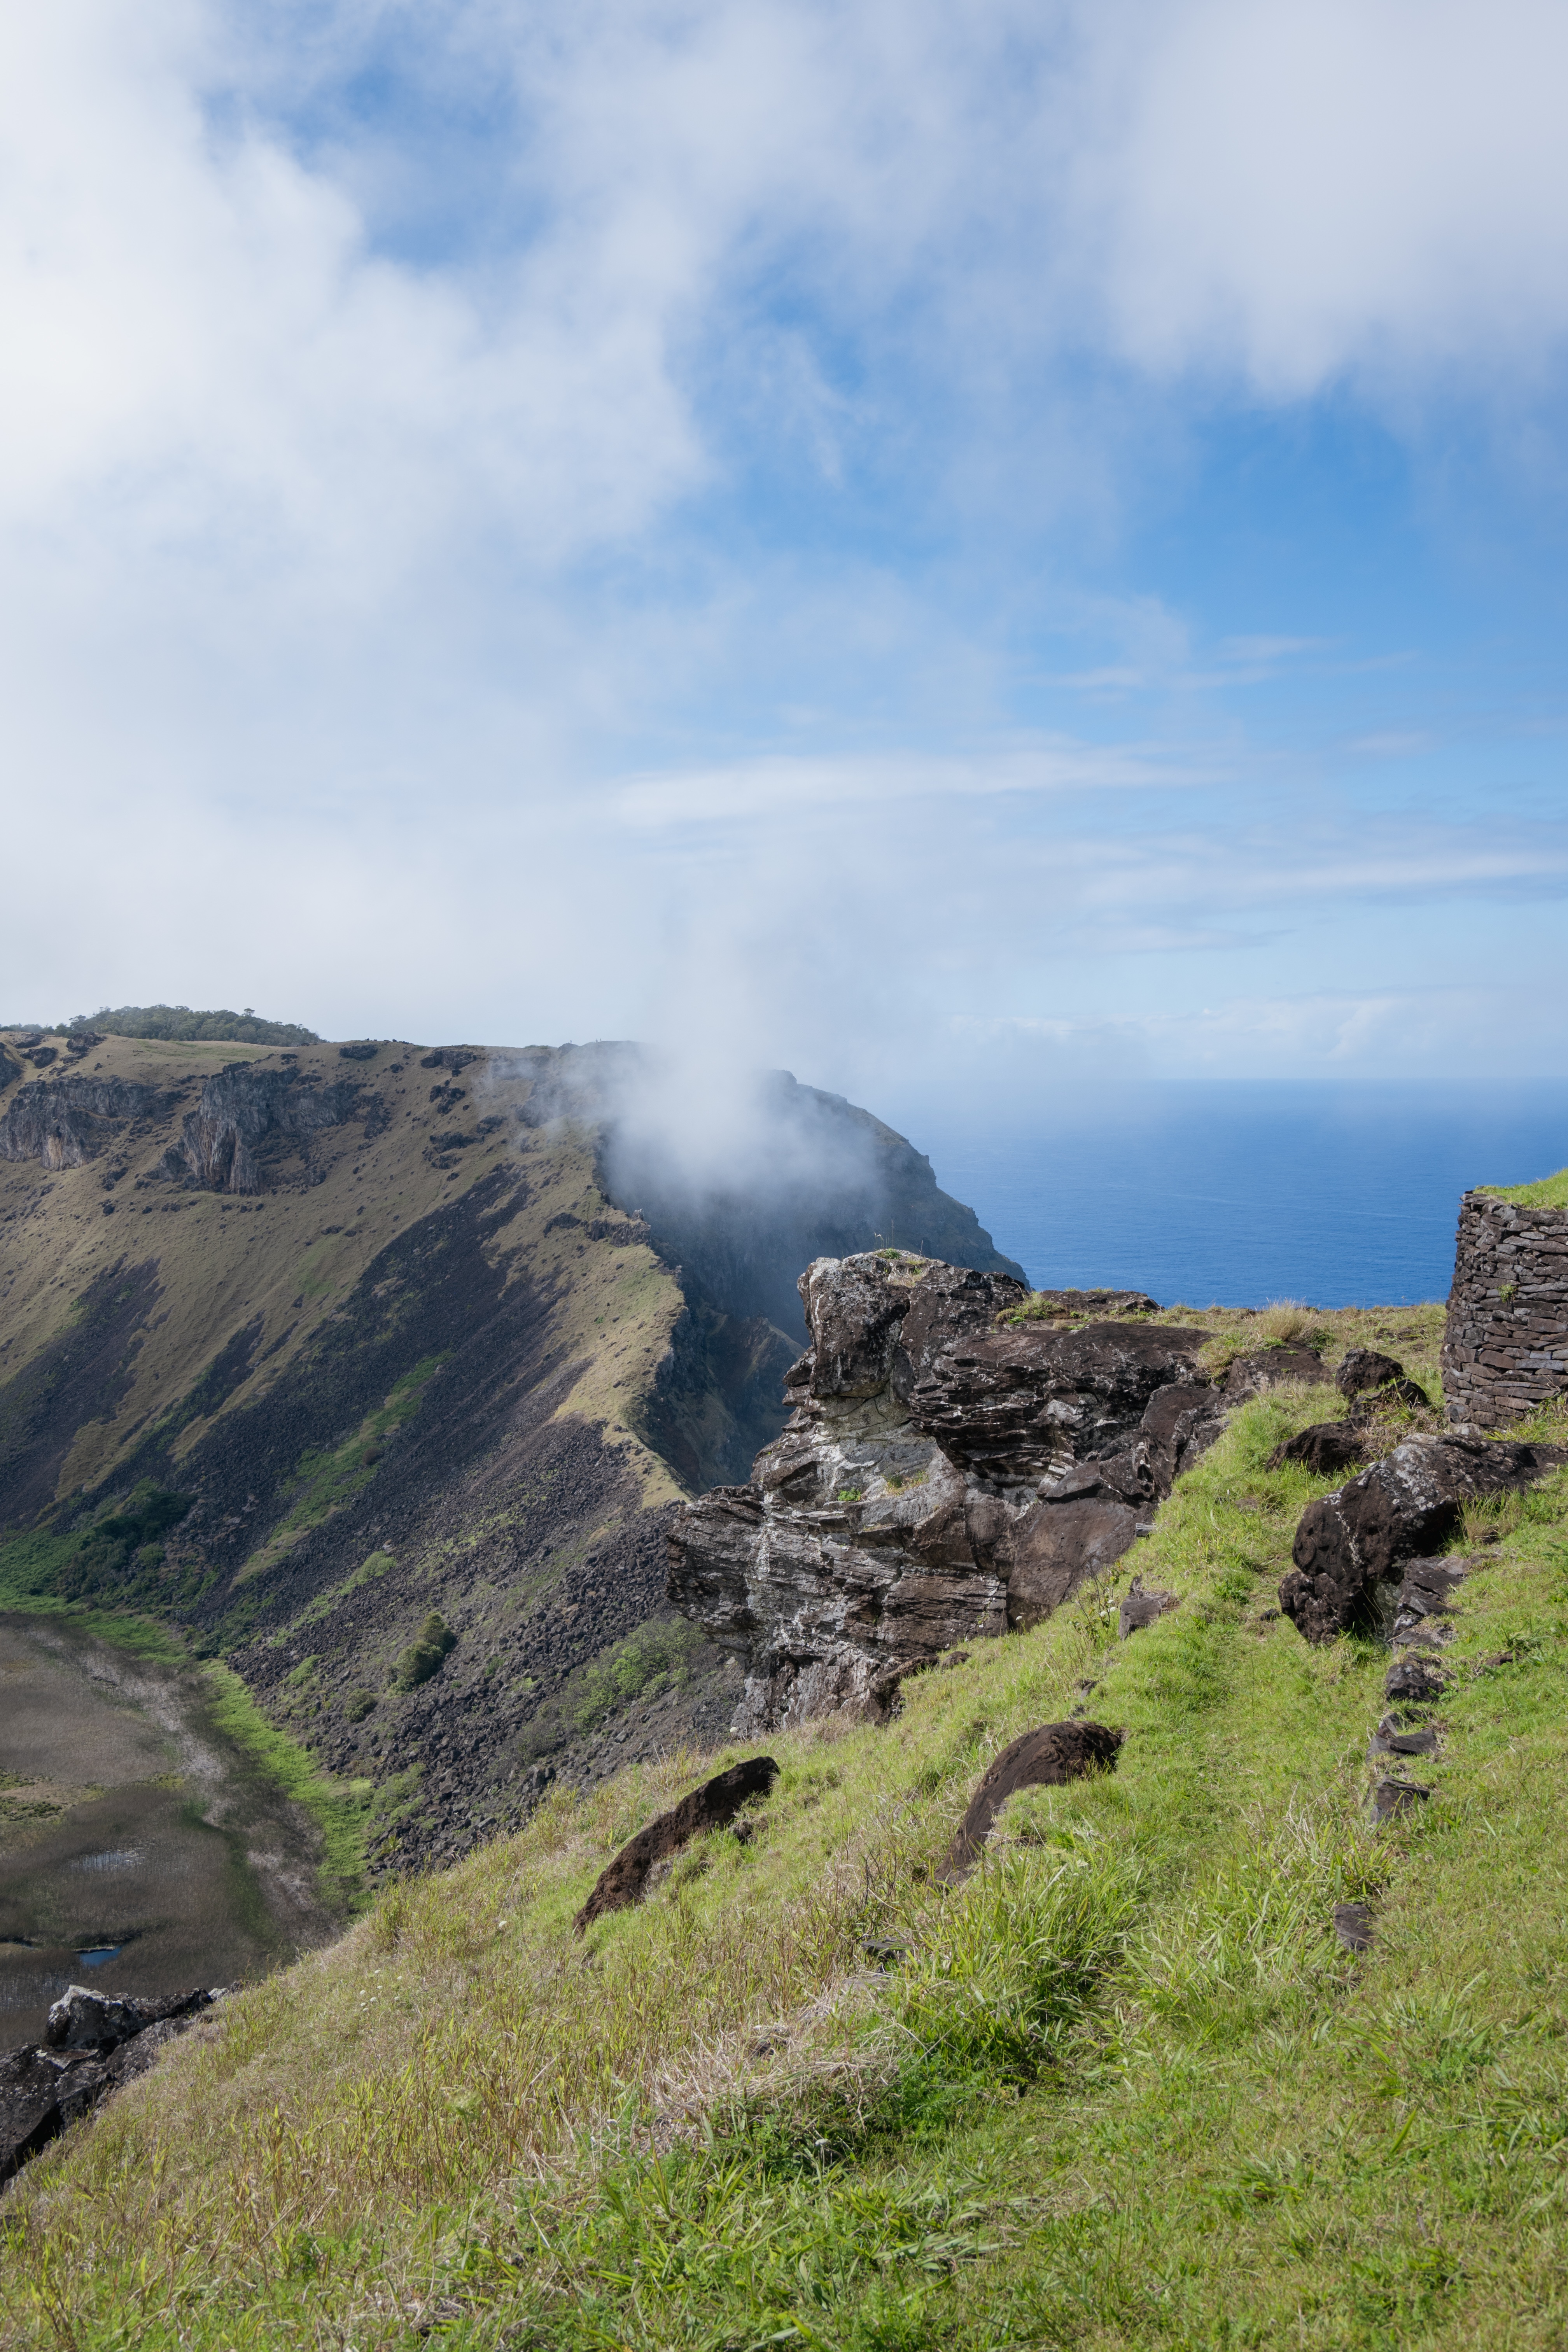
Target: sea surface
<point x="1237" y="1194"/>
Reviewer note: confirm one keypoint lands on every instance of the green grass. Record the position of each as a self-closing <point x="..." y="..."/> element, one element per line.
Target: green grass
<point x="1122" y="2089"/>
<point x="327" y="1477"/>
<point x="32" y="1569"/>
<point x="649" y="1661"/>
<point x="1546" y="1192"/>
<point x="339" y="1815"/>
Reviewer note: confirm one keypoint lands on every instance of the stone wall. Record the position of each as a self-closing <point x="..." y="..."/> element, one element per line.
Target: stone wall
<point x="1506" y="1345"/>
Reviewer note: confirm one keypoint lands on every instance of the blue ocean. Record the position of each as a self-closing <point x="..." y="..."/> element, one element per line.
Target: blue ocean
<point x="1237" y="1194"/>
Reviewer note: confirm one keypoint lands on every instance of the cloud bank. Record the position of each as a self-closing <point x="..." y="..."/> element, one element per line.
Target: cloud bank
<point x="543" y="521"/>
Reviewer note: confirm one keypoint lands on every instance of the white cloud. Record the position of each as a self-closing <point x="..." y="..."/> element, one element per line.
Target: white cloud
<point x="366" y="644"/>
<point x="1298" y="191"/>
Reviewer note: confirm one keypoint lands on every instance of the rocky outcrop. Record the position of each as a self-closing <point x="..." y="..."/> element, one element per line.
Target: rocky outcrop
<point x="91" y="2046"/>
<point x="65" y="1122"/>
<point x="713" y="1806"/>
<point x="1375" y="1386"/>
<point x="1347" y="1542"/>
<point x="1505" y="1345"/>
<point x="940" y="1480"/>
<point x="1045" y="1758"/>
<point x="250" y="1120"/>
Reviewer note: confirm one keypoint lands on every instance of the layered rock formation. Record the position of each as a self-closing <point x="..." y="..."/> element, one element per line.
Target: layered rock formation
<point x="250" y="1120"/>
<point x="941" y="1479"/>
<point x="1505" y="1349"/>
<point x="65" y="1122"/>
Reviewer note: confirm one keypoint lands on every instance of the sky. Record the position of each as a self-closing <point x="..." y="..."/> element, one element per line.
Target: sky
<point x="1012" y="546"/>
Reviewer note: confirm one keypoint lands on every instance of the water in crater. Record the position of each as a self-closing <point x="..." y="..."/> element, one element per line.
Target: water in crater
<point x="141" y="1849"/>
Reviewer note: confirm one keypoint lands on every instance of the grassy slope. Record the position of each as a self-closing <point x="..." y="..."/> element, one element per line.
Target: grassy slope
<point x="1124" y="2090"/>
<point x="222" y="1262"/>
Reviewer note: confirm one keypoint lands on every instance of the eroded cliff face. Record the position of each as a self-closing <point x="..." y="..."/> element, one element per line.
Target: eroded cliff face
<point x="66" y="1121"/>
<point x="941" y="1480"/>
<point x="250" y="1123"/>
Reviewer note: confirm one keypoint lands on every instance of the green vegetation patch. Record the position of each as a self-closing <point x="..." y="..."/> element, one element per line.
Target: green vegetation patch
<point x="1546" y="1192"/>
<point x="338" y="1814"/>
<point x="654" y="1658"/>
<point x="180" y="1025"/>
<point x="425" y="1655"/>
<point x="327" y="1477"/>
<point x="116" y="1562"/>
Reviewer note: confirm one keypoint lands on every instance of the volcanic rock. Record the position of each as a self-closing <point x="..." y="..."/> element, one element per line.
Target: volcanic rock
<point x="1352" y="1925"/>
<point x="94" y="2044"/>
<point x="30" y="2106"/>
<point x="65" y="1122"/>
<point x="1046" y="1757"/>
<point x="1141" y="1609"/>
<point x="1325" y="1447"/>
<point x="1364" y="1372"/>
<point x="713" y="1806"/>
<point x="1271" y="1368"/>
<point x="1427" y="1591"/>
<point x="1414" y="1682"/>
<point x="250" y="1119"/>
<point x="939" y="1481"/>
<point x="84" y="2020"/>
<point x="1398" y="1508"/>
<point x="1388" y="1739"/>
<point x="1394" y="1797"/>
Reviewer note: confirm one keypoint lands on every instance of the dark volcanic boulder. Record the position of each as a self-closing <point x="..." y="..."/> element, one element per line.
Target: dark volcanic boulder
<point x="1047" y="1758"/>
<point x="94" y="2044"/>
<point x="1414" y="1682"/>
<point x="1426" y="1589"/>
<point x="1326" y="1447"/>
<point x="30" y="2106"/>
<point x="711" y="1807"/>
<point x="1054" y="1546"/>
<point x="84" y="2020"/>
<point x="1400" y="1507"/>
<point x="1365" y="1368"/>
<point x="1391" y="1798"/>
<point x="1141" y="1609"/>
<point x="941" y="1480"/>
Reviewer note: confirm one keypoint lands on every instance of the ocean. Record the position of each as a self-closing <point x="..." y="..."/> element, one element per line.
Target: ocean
<point x="1237" y="1194"/>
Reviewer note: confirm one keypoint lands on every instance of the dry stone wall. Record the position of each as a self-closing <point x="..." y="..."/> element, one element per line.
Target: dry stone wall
<point x="1505" y="1349"/>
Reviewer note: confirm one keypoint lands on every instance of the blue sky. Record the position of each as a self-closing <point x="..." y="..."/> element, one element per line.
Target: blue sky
<point x="942" y="548"/>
